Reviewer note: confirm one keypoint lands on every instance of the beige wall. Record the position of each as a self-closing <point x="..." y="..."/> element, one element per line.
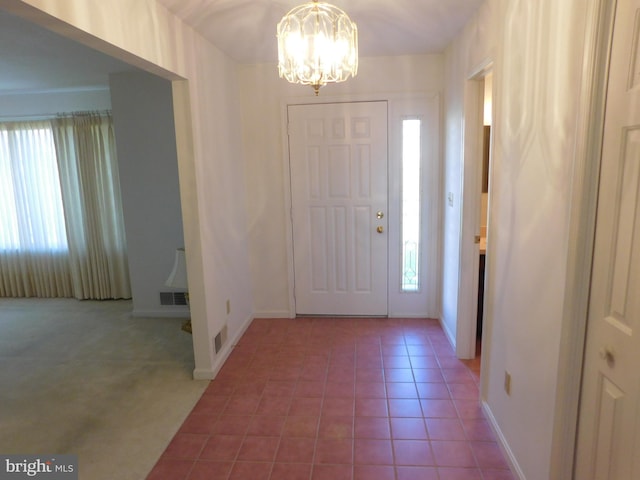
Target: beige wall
<point x="537" y="46"/>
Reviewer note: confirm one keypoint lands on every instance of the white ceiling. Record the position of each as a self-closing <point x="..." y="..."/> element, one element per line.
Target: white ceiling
<point x="34" y="59"/>
<point x="245" y="29"/>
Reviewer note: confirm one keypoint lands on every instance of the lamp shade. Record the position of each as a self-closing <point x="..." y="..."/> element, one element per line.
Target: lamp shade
<point x="178" y="276"/>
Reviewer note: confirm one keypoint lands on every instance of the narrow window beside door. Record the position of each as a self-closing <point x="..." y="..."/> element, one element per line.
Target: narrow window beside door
<point x="411" y="154"/>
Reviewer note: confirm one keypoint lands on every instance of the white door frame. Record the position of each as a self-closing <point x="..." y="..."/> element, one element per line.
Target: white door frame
<point x="585" y="180"/>
<point x="396" y="104"/>
<point x="469" y="258"/>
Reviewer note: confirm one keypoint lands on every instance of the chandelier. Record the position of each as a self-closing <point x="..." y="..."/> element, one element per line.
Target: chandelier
<point x="317" y="44"/>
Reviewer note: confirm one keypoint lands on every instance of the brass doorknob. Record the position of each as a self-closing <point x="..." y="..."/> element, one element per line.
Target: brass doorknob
<point x="379" y="215"/>
<point x="380" y="229"/>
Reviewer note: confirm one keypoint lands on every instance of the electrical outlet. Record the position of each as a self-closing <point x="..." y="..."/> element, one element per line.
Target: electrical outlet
<point x="507" y="382"/>
<point x="228" y="307"/>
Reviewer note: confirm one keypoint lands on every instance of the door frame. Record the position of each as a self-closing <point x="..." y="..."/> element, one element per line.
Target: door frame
<point x="432" y="251"/>
<point x="584" y="196"/>
<point x="469" y="258"/>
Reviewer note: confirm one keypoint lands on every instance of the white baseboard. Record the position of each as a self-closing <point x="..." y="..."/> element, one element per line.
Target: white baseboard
<point x="287" y="314"/>
<point x="182" y="313"/>
<point x="203" y="374"/>
<point x="222" y="355"/>
<point x="450" y="336"/>
<point x="502" y="441"/>
<point x="274" y="314"/>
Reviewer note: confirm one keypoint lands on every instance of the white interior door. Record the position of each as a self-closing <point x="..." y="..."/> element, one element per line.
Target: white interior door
<point x="609" y="426"/>
<point x="338" y="167"/>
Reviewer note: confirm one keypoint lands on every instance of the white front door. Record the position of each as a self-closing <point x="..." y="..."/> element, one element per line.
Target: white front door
<point x="338" y="167"/>
<point x="608" y="444"/>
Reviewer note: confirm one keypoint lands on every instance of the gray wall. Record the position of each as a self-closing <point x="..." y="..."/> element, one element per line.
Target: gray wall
<point x="142" y="108"/>
<point x="28" y="105"/>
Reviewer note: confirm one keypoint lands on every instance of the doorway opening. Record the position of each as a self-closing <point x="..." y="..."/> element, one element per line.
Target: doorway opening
<point x="473" y="319"/>
<point x="487" y="86"/>
<point x="96" y="57"/>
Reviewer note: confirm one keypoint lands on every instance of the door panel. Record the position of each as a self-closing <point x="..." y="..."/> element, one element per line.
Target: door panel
<point x="608" y="434"/>
<point x="338" y="167"/>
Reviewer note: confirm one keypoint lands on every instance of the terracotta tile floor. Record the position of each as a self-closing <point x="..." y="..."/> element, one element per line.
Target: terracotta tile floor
<point x="338" y="399"/>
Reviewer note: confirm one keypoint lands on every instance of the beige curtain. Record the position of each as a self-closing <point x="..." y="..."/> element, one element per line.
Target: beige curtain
<point x="87" y="162"/>
<point x="34" y="259"/>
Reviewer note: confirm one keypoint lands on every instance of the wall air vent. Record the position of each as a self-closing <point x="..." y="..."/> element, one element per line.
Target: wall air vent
<point x="173" y="298"/>
<point x="219" y="339"/>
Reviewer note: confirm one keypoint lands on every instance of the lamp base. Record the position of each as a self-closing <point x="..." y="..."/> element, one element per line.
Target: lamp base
<point x="186" y="326"/>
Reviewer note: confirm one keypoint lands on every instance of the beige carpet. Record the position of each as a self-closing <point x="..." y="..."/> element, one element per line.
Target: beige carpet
<point x="86" y="378"/>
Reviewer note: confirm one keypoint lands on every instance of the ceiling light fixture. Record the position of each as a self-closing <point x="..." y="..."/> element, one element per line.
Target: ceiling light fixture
<point x="317" y="44"/>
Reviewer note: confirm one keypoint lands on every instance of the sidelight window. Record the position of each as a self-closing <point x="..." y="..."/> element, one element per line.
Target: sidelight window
<point x="411" y="155"/>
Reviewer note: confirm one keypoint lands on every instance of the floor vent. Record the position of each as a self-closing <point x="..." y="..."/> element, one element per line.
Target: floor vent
<point x="173" y="298"/>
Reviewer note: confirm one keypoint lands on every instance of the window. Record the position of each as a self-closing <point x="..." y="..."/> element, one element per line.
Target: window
<point x="31" y="214"/>
<point x="411" y="155"/>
